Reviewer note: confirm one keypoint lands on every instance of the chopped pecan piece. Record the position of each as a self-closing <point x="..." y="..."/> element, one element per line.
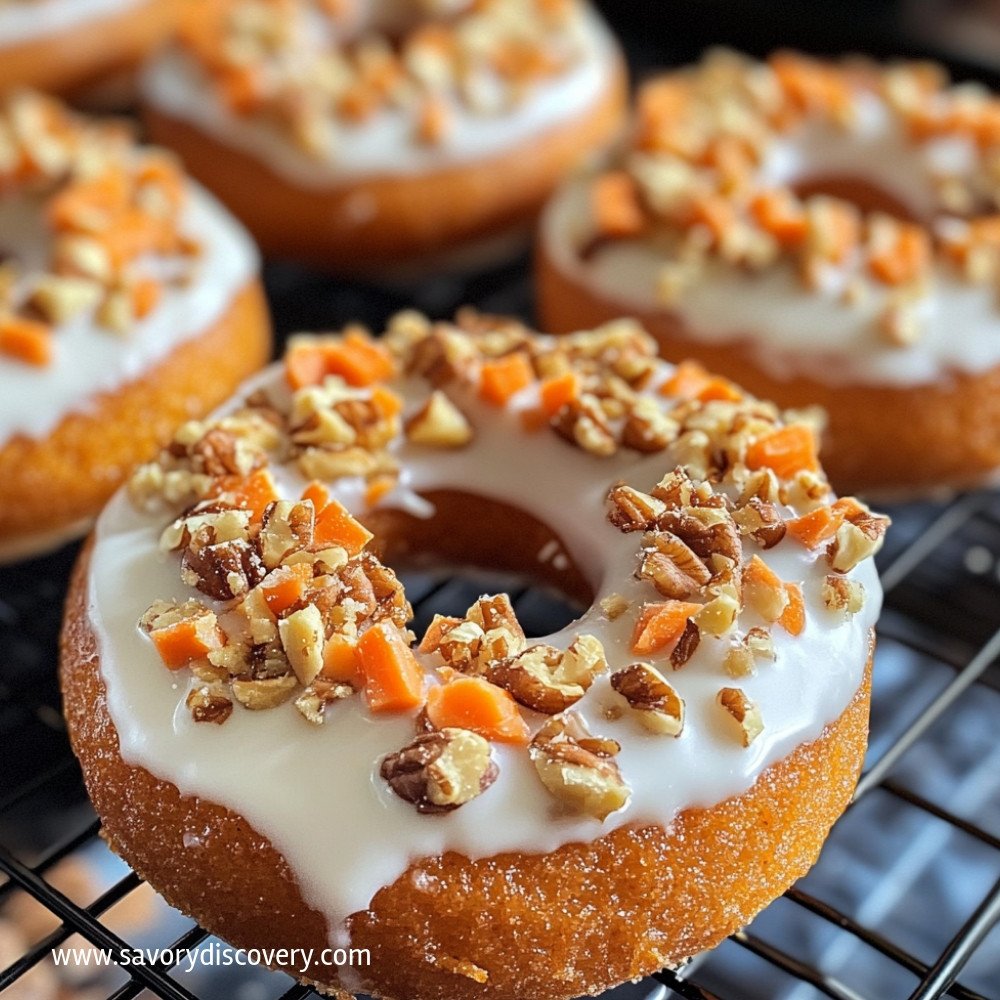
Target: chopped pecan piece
<point x="743" y="654"/>
<point x="218" y="522"/>
<point x="583" y="422"/>
<point x="209" y="703"/>
<point x="656" y="704"/>
<point x="842" y="594"/>
<point x="686" y="646"/>
<point x="671" y="566"/>
<point x="631" y="510"/>
<point x="287" y="527"/>
<point x="859" y="537"/>
<point x="265" y="692"/>
<point x="614" y="606"/>
<point x="718" y="616"/>
<point x="302" y="639"/>
<point x="743" y="712"/>
<point x="761" y="521"/>
<point x="312" y="703"/>
<point x="578" y="770"/>
<point x="441" y="770"/>
<point x="647" y="428"/>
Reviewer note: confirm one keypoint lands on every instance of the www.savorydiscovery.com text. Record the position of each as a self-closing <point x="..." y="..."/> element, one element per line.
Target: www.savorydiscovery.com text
<point x="215" y="955"/>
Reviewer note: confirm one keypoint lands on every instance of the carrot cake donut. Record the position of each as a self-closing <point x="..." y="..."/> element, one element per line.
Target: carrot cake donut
<point x="65" y="45"/>
<point x="381" y="131"/>
<point x="826" y="233"/>
<point x="482" y="814"/>
<point x="129" y="302"/>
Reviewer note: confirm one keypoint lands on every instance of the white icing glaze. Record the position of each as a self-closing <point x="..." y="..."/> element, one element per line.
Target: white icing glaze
<point x="23" y="22"/>
<point x="88" y="360"/>
<point x="176" y="86"/>
<point x="791" y="329"/>
<point x="316" y="793"/>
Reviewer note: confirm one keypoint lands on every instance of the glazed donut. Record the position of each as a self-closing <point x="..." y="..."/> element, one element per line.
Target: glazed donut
<point x="827" y="233"/>
<point x="121" y="285"/>
<point x="492" y="816"/>
<point x="384" y="132"/>
<point x="65" y="45"/>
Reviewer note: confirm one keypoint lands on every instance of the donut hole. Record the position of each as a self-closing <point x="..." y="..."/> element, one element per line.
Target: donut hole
<point x="867" y="195"/>
<point x="473" y="544"/>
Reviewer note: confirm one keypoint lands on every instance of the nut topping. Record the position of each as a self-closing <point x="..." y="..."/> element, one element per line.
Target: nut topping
<point x="842" y="594"/>
<point x="577" y="769"/>
<point x="632" y="510"/>
<point x="743" y="712"/>
<point x="439" y="424"/>
<point x="671" y="566"/>
<point x="209" y="703"/>
<point x="441" y="770"/>
<point x="656" y="704"/>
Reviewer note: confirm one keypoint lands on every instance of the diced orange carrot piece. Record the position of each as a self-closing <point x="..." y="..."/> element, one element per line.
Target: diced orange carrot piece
<point x="164" y="173"/>
<point x="786" y="451"/>
<point x="849" y="508"/>
<point x="26" y="339"/>
<point x="720" y="388"/>
<point x="285" y="585"/>
<point x="614" y="199"/>
<point x="378" y="488"/>
<point x="340" y="661"/>
<point x="253" y="493"/>
<point x="501" y="378"/>
<point x="336" y="526"/>
<point x="304" y="365"/>
<point x="557" y="391"/>
<point x="318" y="494"/>
<point x="758" y="571"/>
<point x="661" y="625"/>
<point x="688" y="379"/>
<point x="145" y="296"/>
<point x="816" y="527"/>
<point x="107" y="194"/>
<point x="393" y="679"/>
<point x="241" y="88"/>
<point x="777" y="213"/>
<point x="358" y="360"/>
<point x="793" y="618"/>
<point x="715" y="212"/>
<point x="387" y="403"/>
<point x="476" y="704"/>
<point x="907" y="259"/>
<point x="184" y="641"/>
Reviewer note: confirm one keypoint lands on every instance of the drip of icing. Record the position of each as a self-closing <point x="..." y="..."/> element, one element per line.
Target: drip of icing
<point x="790" y="329"/>
<point x="176" y="86"/>
<point x="22" y="22"/>
<point x="315" y="792"/>
<point x="87" y="360"/>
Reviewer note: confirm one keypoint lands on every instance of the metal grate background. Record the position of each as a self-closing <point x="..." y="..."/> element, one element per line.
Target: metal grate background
<point x="905" y="900"/>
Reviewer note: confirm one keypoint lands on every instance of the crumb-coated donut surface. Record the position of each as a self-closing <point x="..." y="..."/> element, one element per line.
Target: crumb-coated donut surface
<point x="824" y="231"/>
<point x="363" y="140"/>
<point x="64" y="45"/>
<point x="239" y="675"/>
<point x="129" y="302"/>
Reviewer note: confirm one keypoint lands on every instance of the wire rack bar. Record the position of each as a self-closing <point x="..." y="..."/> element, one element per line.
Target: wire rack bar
<point x="64" y="850"/>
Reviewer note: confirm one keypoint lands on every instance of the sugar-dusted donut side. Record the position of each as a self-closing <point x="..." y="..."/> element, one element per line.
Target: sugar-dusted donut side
<point x="64" y="45"/>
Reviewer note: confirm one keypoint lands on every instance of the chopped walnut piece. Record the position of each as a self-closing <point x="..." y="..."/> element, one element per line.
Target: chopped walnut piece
<point x="761" y="521"/>
<point x="671" y="566"/>
<point x="441" y="770"/>
<point x="264" y="693"/>
<point x="302" y="640"/>
<point x="743" y="654"/>
<point x="614" y="606"/>
<point x="287" y="527"/>
<point x="647" y="428"/>
<point x="577" y="769"/>
<point x="709" y="531"/>
<point x="547" y="679"/>
<point x="842" y="594"/>
<point x="583" y="422"/>
<point x="686" y="646"/>
<point x="743" y="712"/>
<point x="859" y="537"/>
<point x="209" y="703"/>
<point x="439" y="423"/>
<point x="60" y="299"/>
<point x="222" y="570"/>
<point x="631" y="510"/>
<point x="718" y="616"/>
<point x="496" y="612"/>
<point x="312" y="703"/>
<point x="221" y="524"/>
<point x="656" y="704"/>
